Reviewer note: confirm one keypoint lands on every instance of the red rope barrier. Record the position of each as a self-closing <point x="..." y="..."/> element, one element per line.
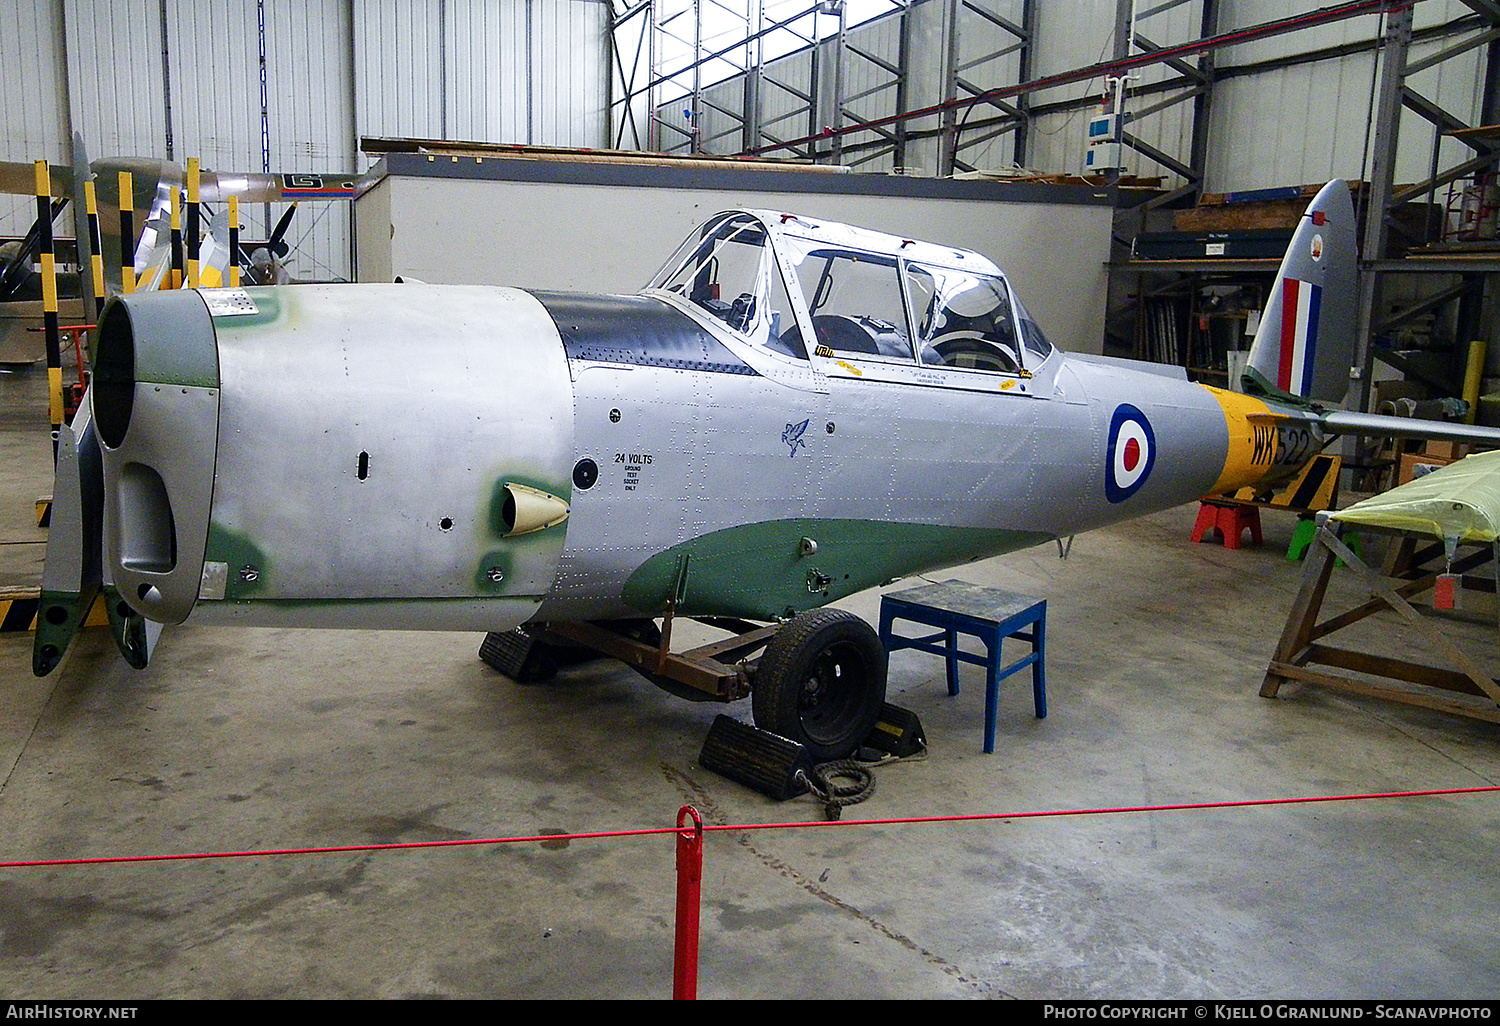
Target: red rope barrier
<point x="690" y="852"/>
<point x="656" y="831"/>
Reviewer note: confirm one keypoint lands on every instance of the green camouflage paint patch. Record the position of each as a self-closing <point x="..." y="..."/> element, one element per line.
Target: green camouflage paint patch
<point x="269" y="309"/>
<point x="59" y="615"/>
<point x="494" y="572"/>
<point x="128" y="629"/>
<point x="759" y="571"/>
<point x="247" y="564"/>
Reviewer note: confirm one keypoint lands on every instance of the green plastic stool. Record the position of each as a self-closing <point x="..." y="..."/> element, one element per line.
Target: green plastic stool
<point x="1302" y="537"/>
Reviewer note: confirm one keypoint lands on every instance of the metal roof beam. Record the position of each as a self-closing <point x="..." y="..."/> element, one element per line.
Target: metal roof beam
<point x="1339" y="12"/>
<point x="1161" y="157"/>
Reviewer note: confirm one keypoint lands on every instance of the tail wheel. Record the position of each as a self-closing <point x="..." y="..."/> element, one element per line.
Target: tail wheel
<point x="821" y="682"/>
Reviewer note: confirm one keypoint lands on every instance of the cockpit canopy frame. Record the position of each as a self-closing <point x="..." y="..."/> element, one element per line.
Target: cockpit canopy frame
<point x="776" y="279"/>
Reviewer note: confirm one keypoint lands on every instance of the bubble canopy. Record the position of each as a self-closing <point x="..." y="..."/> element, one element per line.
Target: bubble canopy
<point x="779" y="279"/>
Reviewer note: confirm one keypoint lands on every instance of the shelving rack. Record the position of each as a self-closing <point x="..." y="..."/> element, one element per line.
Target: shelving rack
<point x="848" y="103"/>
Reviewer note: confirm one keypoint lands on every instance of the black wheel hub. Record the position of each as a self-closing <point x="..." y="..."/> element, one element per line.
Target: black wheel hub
<point x="831" y="694"/>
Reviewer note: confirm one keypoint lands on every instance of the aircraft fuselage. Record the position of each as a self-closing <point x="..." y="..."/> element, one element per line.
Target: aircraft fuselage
<point x="354" y="455"/>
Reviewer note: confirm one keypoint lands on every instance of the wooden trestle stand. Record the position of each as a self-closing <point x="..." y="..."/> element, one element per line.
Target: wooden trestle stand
<point x="1404" y="577"/>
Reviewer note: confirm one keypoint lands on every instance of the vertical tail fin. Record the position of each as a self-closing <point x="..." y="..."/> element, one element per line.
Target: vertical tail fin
<point x="1306" y="341"/>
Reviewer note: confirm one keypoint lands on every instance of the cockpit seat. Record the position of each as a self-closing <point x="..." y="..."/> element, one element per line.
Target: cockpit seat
<point x="843" y="334"/>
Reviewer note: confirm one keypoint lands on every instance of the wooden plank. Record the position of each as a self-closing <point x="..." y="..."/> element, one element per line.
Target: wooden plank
<point x="566" y="154"/>
<point x="1302" y="617"/>
<point x="1477" y="132"/>
<point x="1230" y="217"/>
<point x="1296" y="650"/>
<point x="1288" y="671"/>
<point x="19" y="608"/>
<point x="1369" y="608"/>
<point x="1386" y="666"/>
<point x="721" y="680"/>
<point x="736" y="647"/>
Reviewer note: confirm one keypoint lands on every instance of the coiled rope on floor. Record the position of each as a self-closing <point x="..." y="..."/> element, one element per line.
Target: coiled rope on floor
<point x="850" y="781"/>
<point x="840" y="783"/>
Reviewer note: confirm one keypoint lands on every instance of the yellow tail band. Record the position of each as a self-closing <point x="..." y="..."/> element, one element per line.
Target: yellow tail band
<point x="1252" y="446"/>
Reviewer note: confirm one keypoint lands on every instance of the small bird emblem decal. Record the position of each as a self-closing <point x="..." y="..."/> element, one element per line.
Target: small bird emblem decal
<point x="792" y="436"/>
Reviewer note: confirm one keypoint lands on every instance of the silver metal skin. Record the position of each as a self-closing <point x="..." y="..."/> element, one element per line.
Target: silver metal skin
<point x="67" y="568"/>
<point x="792" y="411"/>
<point x="156" y="411"/>
<point x="1310" y="264"/>
<point x="937" y="448"/>
<point x="400" y="414"/>
<point x="352" y="470"/>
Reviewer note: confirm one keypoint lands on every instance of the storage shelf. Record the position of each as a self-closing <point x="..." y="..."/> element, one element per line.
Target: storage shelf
<point x="1210" y="266"/>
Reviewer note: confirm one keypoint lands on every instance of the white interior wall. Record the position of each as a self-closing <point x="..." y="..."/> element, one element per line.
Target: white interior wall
<point x="612" y="238"/>
<point x="1080" y="34"/>
<point x="118" y="106"/>
<point x="487" y="65"/>
<point x="1310" y="122"/>
<point x="399" y="92"/>
<point x="34" y="102"/>
<point x="1298" y="124"/>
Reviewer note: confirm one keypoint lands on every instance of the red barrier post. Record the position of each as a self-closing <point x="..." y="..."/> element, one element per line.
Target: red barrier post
<point x="689" y="877"/>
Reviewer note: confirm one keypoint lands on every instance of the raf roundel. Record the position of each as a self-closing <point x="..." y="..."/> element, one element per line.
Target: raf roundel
<point x="1132" y="453"/>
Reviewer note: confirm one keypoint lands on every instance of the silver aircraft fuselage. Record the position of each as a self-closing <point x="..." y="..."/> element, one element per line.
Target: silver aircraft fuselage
<point x="791" y="411"/>
<point x="473" y="458"/>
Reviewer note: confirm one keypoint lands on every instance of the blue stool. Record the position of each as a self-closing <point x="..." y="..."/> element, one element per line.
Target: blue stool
<point x="990" y="615"/>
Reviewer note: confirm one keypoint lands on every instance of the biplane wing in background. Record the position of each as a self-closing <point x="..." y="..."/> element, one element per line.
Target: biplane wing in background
<point x="153" y="184"/>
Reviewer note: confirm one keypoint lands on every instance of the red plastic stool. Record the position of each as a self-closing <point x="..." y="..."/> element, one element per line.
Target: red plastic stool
<point x="1229" y="520"/>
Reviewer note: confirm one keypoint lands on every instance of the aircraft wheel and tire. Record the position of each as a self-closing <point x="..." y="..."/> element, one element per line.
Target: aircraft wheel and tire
<point x="821" y="683"/>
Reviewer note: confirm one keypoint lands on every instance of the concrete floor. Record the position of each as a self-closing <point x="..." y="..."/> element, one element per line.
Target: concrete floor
<point x="264" y="739"/>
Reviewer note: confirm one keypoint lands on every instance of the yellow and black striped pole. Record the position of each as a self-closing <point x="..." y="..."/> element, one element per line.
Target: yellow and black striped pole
<point x="234" y="242"/>
<point x="193" y="241"/>
<point x="176" y="223"/>
<point x="127" y="232"/>
<point x="49" y="300"/>
<point x="96" y="255"/>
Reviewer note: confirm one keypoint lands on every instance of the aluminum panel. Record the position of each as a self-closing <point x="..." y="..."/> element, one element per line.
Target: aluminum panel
<point x="389" y="485"/>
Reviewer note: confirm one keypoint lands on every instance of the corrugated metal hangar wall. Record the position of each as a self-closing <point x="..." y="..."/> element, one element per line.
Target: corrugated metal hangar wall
<point x="1272" y="123"/>
<point x="177" y="79"/>
<point x="166" y="78"/>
